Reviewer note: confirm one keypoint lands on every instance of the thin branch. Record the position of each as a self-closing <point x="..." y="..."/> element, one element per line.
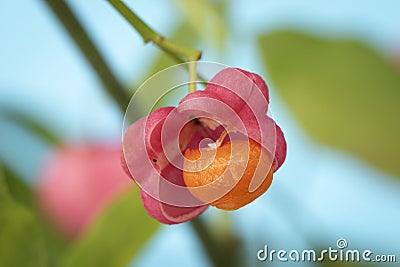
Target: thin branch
<point x="31" y="124"/>
<point x="71" y="23"/>
<point x="180" y="53"/>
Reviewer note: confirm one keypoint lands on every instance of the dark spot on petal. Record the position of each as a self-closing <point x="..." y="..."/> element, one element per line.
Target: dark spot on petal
<point x="154" y="160"/>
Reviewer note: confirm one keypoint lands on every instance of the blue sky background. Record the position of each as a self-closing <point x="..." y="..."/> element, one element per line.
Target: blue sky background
<point x="320" y="193"/>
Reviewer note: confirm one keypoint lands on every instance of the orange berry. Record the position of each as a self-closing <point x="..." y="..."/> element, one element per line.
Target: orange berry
<point x="230" y="176"/>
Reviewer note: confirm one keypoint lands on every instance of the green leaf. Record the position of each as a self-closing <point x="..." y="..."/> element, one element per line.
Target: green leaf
<point x="17" y="188"/>
<point x="4" y="193"/>
<point x="116" y="237"/>
<point x="21" y="243"/>
<point x="54" y="242"/>
<point x="344" y="94"/>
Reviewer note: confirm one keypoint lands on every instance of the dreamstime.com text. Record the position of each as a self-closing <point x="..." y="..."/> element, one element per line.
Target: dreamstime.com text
<point x="339" y="253"/>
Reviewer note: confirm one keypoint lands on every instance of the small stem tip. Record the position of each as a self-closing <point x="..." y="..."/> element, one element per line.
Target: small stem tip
<point x="192" y="76"/>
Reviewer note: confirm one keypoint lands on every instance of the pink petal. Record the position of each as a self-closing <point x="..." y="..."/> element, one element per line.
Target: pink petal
<point x="265" y="131"/>
<point x="280" y="151"/>
<point x="154" y="123"/>
<point x="246" y="120"/>
<point x="164" y="193"/>
<point x="208" y="106"/>
<point x="258" y="81"/>
<point x="237" y="87"/>
<point x="166" y="213"/>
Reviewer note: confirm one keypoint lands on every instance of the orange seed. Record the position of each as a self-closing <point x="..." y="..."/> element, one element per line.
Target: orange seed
<point x="230" y="176"/>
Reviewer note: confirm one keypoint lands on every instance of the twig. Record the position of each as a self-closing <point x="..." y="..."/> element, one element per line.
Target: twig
<point x="71" y="23"/>
<point x="180" y="53"/>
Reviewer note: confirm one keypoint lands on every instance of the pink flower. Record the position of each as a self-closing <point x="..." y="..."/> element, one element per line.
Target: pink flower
<point x="235" y="101"/>
<point x="77" y="182"/>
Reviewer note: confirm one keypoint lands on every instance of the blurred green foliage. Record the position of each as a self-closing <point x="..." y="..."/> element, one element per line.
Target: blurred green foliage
<point x="53" y="242"/>
<point x="207" y="20"/>
<point x="17" y="188"/>
<point x="344" y="93"/>
<point x="26" y="240"/>
<point x="116" y="237"/>
<point x="32" y="124"/>
<point x="21" y="243"/>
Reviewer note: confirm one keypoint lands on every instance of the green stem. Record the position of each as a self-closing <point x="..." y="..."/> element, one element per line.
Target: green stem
<point x="180" y="53"/>
<point x="71" y="23"/>
<point x="192" y="76"/>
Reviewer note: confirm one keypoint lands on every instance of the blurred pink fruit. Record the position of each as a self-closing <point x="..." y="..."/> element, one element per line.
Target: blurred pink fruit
<point x="77" y="182"/>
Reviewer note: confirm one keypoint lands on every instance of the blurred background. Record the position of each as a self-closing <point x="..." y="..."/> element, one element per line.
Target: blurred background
<point x="333" y="69"/>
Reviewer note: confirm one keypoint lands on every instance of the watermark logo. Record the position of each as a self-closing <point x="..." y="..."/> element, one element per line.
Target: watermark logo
<point x="341" y="243"/>
<point x="339" y="253"/>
